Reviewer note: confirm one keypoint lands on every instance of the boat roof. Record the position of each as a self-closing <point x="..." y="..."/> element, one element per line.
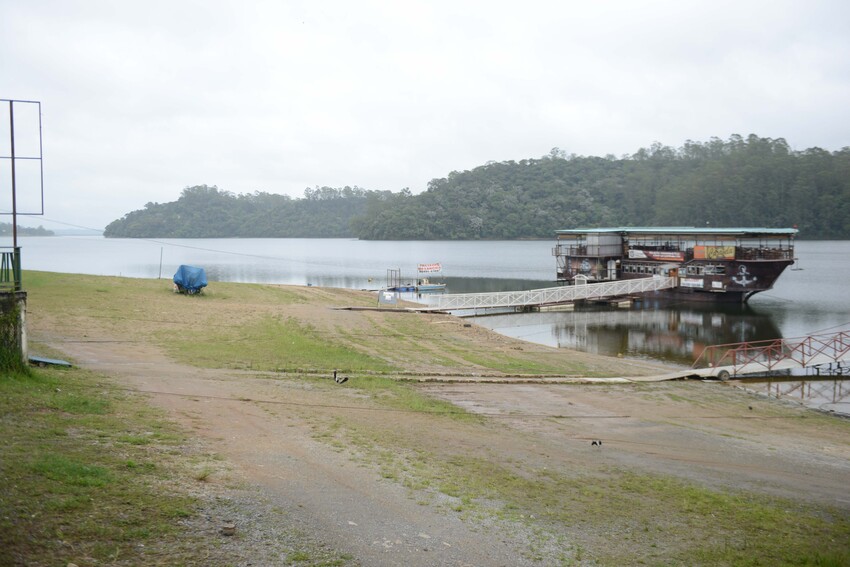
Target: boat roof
<point x="684" y="230"/>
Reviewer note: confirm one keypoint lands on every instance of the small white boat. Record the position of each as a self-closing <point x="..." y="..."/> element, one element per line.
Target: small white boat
<point x="424" y="284"/>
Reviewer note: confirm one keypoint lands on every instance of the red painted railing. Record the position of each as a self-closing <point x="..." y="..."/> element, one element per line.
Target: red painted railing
<point x="768" y="355"/>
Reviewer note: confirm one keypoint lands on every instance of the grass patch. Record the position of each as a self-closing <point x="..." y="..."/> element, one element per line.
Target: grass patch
<point x="61" y="456"/>
<point x="81" y="293"/>
<point x="397" y="346"/>
<point x="415" y="336"/>
<point x="266" y="327"/>
<point x="71" y="472"/>
<point x="136" y="309"/>
<point x="405" y="396"/>
<point x="517" y="365"/>
<point x="93" y="476"/>
<point x="271" y="343"/>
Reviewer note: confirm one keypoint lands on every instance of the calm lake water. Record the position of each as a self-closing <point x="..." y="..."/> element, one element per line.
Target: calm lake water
<point x="813" y="297"/>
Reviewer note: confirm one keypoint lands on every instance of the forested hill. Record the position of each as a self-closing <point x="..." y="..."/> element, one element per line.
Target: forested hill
<point x="6" y="230"/>
<point x="208" y="212"/>
<point x="749" y="181"/>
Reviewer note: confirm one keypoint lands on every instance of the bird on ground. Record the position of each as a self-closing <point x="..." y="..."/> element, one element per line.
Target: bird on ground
<point x="340" y="379"/>
<point x="596" y="443"/>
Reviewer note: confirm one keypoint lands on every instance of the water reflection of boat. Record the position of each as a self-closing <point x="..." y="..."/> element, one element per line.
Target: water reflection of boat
<point x="673" y="333"/>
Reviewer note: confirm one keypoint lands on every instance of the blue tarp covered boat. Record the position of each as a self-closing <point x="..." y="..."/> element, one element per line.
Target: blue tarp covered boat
<point x="190" y="279"/>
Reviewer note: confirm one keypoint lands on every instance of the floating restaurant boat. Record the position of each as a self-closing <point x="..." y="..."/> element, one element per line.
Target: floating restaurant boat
<point x="709" y="264"/>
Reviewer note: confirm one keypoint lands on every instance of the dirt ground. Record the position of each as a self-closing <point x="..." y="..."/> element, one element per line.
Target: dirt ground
<point x="265" y="429"/>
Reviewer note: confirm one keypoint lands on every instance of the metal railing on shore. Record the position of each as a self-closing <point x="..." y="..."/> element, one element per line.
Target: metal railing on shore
<point x="777" y="354"/>
<point x="10" y="268"/>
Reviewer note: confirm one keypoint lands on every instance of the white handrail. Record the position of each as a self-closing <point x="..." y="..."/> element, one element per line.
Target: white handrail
<point x="552" y="295"/>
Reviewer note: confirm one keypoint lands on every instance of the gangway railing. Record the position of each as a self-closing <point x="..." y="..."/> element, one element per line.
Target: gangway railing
<point x="550" y="296"/>
<point x="777" y="354"/>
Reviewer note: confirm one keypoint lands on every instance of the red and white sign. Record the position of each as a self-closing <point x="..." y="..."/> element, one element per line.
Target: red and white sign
<point x="429" y="268"/>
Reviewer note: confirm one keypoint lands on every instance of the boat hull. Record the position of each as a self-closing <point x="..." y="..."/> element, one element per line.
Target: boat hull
<point x="740" y="281"/>
<point x="431" y="288"/>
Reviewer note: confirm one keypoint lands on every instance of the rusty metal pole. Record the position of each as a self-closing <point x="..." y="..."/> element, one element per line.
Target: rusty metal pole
<point x="14" y="204"/>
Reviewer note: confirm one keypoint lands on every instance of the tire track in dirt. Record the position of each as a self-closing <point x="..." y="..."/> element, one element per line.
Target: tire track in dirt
<point x="344" y="505"/>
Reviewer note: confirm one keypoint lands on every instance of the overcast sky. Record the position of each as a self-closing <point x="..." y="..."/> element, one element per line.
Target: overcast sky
<point x="142" y="99"/>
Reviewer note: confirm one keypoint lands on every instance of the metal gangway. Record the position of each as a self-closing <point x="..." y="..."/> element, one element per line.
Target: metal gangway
<point x="548" y="296"/>
<point x="757" y="357"/>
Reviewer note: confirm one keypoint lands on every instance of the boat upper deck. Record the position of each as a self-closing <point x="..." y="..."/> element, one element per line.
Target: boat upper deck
<point x="677" y="243"/>
<point x="685" y="231"/>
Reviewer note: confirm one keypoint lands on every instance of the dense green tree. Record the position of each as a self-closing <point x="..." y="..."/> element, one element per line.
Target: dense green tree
<point x="205" y="211"/>
<point x="742" y="181"/>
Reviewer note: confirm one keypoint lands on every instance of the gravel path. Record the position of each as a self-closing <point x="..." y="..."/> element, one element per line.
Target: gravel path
<point x="286" y="489"/>
<point x="296" y="482"/>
